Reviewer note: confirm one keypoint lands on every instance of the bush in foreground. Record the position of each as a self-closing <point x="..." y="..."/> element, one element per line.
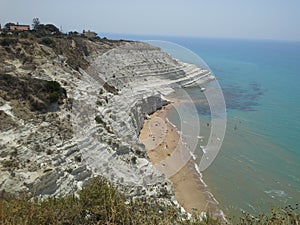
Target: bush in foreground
<point x="100" y="203"/>
<point x="288" y="215"/>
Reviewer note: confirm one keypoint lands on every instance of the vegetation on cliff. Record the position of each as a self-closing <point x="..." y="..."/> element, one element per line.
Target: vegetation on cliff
<point x="23" y="45"/>
<point x="38" y="95"/>
<point x="101" y="203"/>
<point x="98" y="203"/>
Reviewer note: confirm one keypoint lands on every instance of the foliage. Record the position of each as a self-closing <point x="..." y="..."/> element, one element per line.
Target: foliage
<point x="35" y="23"/>
<point x="99" y="120"/>
<point x="46" y="29"/>
<point x="47" y="41"/>
<point x="53" y="97"/>
<point x="5" y="42"/>
<point x="51" y="28"/>
<point x="55" y="91"/>
<point x="49" y="35"/>
<point x="7" y="26"/>
<point x="36" y="93"/>
<point x="279" y="216"/>
<point x="24" y="34"/>
<point x="98" y="203"/>
<point x="52" y="86"/>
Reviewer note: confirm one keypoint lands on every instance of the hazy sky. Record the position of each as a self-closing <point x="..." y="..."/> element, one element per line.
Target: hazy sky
<point x="270" y="19"/>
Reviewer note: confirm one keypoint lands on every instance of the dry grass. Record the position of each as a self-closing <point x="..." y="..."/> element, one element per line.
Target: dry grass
<point x="279" y="216"/>
<point x="99" y="203"/>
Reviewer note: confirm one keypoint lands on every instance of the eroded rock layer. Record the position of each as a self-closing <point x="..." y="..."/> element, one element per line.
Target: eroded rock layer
<point x="90" y="124"/>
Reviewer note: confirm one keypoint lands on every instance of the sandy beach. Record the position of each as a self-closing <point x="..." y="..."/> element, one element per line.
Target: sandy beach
<point x="167" y="152"/>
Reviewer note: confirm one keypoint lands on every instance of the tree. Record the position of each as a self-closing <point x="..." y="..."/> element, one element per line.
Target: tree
<point x="7" y="26"/>
<point x="51" y="28"/>
<point x="35" y="23"/>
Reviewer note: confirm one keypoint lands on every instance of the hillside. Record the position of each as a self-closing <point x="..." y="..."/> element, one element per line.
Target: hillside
<point x="53" y="88"/>
<point x="71" y="109"/>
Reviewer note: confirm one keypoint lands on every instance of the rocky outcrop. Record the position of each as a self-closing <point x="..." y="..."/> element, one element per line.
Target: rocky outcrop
<point x="95" y="130"/>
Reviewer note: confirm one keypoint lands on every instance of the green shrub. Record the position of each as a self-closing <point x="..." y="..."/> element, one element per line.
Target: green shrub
<point x="279" y="216"/>
<point x="52" y="86"/>
<point x="5" y="42"/>
<point x="98" y="203"/>
<point x="24" y="34"/>
<point x="99" y="120"/>
<point x="53" y="97"/>
<point x="47" y="41"/>
<point x="55" y="91"/>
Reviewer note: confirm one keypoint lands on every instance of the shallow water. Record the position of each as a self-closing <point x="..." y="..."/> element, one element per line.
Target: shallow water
<point x="259" y="164"/>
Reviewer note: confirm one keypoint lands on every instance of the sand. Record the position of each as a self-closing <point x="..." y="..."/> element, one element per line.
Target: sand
<point x="167" y="152"/>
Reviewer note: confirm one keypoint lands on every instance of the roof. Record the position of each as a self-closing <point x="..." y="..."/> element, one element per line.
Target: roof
<point x="19" y="27"/>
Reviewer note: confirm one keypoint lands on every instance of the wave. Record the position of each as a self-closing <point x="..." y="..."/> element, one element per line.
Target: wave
<point x="276" y="194"/>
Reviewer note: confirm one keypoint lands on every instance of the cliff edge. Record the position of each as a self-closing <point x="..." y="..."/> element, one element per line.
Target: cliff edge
<point x="72" y="108"/>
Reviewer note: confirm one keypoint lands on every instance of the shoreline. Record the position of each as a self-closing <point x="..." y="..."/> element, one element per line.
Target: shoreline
<point x="164" y="147"/>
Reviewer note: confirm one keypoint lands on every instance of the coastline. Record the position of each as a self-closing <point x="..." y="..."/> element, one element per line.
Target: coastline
<point x="94" y="123"/>
<point x="162" y="140"/>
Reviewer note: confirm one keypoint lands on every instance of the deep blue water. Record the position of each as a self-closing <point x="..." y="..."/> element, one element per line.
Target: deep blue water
<point x="259" y="164"/>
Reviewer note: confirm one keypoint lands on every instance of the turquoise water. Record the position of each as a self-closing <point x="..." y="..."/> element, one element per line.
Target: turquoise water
<point x="259" y="164"/>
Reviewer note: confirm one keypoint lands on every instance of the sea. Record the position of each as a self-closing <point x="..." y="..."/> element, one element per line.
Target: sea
<point x="258" y="165"/>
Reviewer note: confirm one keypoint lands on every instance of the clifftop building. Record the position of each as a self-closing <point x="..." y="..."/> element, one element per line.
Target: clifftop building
<point x="18" y="27"/>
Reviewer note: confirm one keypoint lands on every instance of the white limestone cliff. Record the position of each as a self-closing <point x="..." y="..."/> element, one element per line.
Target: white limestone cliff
<point x="59" y="151"/>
